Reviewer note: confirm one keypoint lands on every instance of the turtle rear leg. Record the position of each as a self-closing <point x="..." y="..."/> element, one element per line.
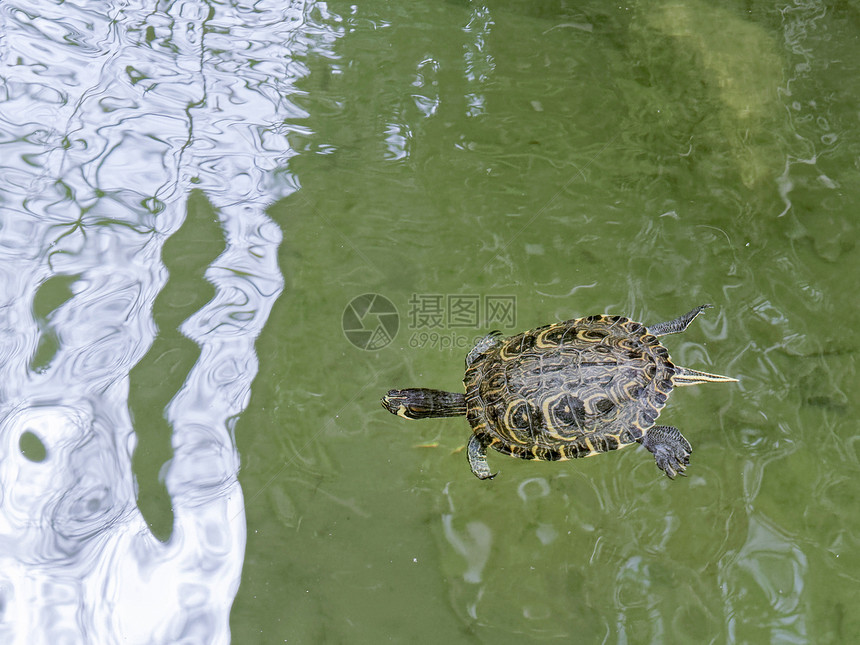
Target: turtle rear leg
<point x="670" y="449"/>
<point x="421" y="403"/>
<point x="477" y="452"/>
<point x="678" y="325"/>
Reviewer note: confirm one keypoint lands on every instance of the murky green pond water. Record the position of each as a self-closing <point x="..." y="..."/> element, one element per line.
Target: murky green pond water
<point x="201" y="201"/>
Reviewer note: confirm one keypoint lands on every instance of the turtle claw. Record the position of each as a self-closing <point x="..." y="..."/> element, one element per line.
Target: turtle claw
<point x="669" y="464"/>
<point x="675" y="468"/>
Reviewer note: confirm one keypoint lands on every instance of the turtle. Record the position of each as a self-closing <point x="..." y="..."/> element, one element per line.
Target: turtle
<point x="566" y="390"/>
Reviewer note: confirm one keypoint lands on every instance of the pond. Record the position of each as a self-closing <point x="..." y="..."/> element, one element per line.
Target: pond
<point x="228" y="229"/>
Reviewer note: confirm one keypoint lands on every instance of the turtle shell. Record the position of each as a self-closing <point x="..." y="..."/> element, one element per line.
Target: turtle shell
<point x="572" y="389"/>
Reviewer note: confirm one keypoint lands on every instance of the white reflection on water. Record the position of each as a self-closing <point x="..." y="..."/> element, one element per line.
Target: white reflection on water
<point x="109" y="116"/>
<point x="769" y="569"/>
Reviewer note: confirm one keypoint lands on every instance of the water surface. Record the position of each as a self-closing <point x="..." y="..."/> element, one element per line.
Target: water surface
<point x="193" y="194"/>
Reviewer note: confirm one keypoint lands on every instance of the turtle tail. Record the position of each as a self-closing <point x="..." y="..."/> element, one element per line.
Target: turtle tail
<point x="421" y="403"/>
<point x="685" y="376"/>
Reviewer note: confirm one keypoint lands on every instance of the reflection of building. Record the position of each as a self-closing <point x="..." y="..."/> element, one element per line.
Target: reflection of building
<point x="138" y="268"/>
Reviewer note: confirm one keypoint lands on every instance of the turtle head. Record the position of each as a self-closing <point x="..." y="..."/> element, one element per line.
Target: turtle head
<point x="398" y="402"/>
<point x="421" y="403"/>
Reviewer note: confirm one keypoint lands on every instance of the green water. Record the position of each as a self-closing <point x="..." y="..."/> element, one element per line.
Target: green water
<point x="636" y="159"/>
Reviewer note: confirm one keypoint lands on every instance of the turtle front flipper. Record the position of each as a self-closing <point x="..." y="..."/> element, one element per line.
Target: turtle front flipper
<point x="477" y="452"/>
<point x="670" y="449"/>
<point x="421" y="403"/>
<point x="484" y="345"/>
